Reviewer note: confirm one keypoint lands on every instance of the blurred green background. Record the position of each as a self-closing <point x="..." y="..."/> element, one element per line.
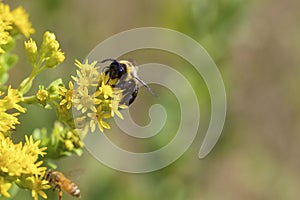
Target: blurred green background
<point x="256" y="45"/>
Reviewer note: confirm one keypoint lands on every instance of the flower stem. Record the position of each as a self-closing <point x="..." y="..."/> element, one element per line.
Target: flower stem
<point x="30" y="99"/>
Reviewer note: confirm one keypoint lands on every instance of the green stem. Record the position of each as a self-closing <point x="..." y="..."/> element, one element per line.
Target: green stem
<point x="30" y="99"/>
<point x="37" y="68"/>
<point x="40" y="69"/>
<point x="29" y="80"/>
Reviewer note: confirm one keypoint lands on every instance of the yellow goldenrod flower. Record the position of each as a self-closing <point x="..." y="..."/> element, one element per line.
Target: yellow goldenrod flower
<point x="38" y="184"/>
<point x="84" y="101"/>
<point x="97" y="118"/>
<point x="32" y="148"/>
<point x="42" y="96"/>
<point x="31" y="50"/>
<point x="21" y="21"/>
<point x="5" y="24"/>
<point x="8" y="122"/>
<point x="4" y="187"/>
<point x="66" y="95"/>
<point x="10" y="101"/>
<point x="96" y="97"/>
<point x="5" y="13"/>
<point x="4" y="35"/>
<point x="106" y="90"/>
<point x="17" y="159"/>
<point x="87" y="75"/>
<point x="114" y="105"/>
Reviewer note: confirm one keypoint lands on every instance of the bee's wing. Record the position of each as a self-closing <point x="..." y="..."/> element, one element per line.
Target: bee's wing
<point x="74" y="174"/>
<point x="129" y="90"/>
<point x="144" y="84"/>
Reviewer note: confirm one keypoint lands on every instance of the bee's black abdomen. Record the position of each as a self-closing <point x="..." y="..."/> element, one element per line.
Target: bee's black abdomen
<point x="133" y="96"/>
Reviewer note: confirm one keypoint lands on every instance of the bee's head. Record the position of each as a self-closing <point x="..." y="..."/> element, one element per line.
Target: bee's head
<point x="116" y="69"/>
<point x="48" y="174"/>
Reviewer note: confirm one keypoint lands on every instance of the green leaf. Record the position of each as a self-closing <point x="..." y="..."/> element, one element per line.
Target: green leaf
<point x="48" y="106"/>
<point x="23" y="87"/>
<point x="66" y="153"/>
<point x="12" y="60"/>
<point x="10" y="45"/>
<point x="54" y="85"/>
<point x="78" y="152"/>
<point x="51" y="164"/>
<point x="4" y="77"/>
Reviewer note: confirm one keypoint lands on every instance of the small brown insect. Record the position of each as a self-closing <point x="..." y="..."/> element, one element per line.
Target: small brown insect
<point x="60" y="182"/>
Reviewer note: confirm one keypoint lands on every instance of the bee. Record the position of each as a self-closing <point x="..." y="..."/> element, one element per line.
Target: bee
<point x="60" y="182"/>
<point x="123" y="75"/>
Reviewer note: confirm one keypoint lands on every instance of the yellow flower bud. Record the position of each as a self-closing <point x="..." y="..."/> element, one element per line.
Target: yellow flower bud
<point x="55" y="59"/>
<point x="69" y="135"/>
<point x="42" y="96"/>
<point x="48" y="38"/>
<point x="31" y="50"/>
<point x="69" y="145"/>
<point x="53" y="45"/>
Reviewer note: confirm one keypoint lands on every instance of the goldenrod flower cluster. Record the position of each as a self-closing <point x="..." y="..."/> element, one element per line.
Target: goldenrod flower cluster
<point x="19" y="164"/>
<point x="9" y="110"/>
<point x="93" y="98"/>
<point x="12" y="23"/>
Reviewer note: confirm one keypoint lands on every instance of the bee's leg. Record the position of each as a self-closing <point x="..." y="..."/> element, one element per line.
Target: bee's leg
<point x="59" y="194"/>
<point x="56" y="187"/>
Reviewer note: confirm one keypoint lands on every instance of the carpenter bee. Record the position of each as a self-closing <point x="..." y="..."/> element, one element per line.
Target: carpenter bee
<point x="123" y="75"/>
